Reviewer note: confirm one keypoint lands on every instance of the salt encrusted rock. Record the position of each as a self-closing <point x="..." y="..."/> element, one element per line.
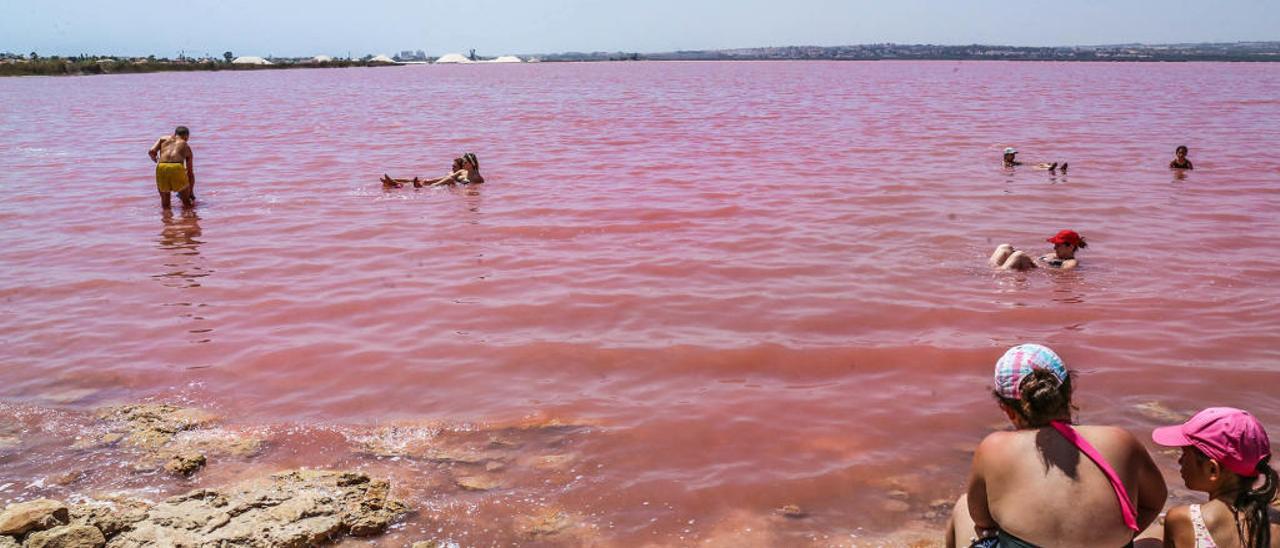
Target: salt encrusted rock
<point x="178" y="439"/>
<point x="67" y="536"/>
<point x="152" y="426"/>
<point x="793" y="511"/>
<point x="9" y="542"/>
<point x="299" y="508"/>
<point x="477" y="482"/>
<point x="110" y="517"/>
<point x="184" y="464"/>
<point x="543" y="524"/>
<point x="37" y="515"/>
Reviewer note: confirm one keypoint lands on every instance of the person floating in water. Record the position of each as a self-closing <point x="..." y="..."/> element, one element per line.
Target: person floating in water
<point x="465" y="170"/>
<point x="1065" y="245"/>
<point x="1010" y="160"/>
<point x="175" y="168"/>
<point x="1180" y="160"/>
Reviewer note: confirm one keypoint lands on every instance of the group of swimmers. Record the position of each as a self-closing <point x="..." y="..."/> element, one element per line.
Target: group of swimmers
<point x="1180" y="160"/>
<point x="175" y="170"/>
<point x="175" y="173"/>
<point x="1066" y="242"/>
<point x="1031" y="487"/>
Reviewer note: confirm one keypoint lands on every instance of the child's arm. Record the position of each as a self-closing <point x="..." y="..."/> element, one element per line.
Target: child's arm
<point x="1177" y="528"/>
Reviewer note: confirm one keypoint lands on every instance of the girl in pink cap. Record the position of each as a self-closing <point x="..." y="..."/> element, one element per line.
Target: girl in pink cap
<point x="1048" y="482"/>
<point x="1225" y="453"/>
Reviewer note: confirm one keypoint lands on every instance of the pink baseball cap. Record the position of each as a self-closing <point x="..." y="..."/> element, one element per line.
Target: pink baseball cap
<point x="1230" y="436"/>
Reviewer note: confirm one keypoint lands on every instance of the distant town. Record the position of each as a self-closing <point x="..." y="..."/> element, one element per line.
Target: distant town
<point x="1234" y="51"/>
<point x="18" y="64"/>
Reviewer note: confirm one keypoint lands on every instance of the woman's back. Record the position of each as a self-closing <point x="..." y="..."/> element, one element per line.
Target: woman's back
<point x="1042" y="489"/>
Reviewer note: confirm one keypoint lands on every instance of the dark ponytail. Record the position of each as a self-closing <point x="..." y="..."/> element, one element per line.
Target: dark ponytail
<point x="1255" y="506"/>
<point x="1043" y="398"/>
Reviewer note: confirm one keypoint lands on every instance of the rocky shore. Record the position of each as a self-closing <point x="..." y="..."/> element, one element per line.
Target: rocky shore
<point x="298" y="508"/>
<point x="176" y="445"/>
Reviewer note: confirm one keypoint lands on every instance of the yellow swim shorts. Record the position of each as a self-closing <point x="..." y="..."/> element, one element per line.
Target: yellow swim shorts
<point x="171" y="177"/>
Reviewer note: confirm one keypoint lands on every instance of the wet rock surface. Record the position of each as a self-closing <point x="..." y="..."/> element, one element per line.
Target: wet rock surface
<point x="299" y="508"/>
<point x="179" y="440"/>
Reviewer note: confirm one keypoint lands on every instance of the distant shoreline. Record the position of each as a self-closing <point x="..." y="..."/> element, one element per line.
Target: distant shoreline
<point x="94" y="66"/>
<point x="1234" y="52"/>
<point x="1253" y="52"/>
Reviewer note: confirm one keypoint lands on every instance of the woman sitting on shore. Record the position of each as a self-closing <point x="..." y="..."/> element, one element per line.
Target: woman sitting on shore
<point x="465" y="170"/>
<point x="1048" y="483"/>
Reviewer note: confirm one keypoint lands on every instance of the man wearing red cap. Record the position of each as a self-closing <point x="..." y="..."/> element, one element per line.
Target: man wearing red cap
<point x="1065" y="245"/>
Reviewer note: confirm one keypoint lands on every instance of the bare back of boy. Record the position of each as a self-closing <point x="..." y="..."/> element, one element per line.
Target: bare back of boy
<point x="172" y="150"/>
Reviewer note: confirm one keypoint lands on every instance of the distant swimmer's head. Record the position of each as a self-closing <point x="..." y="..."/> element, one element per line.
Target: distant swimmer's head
<point x="1009" y="153"/>
<point x="457" y="163"/>
<point x="1066" y="243"/>
<point x="1181" y="152"/>
<point x="1032" y="385"/>
<point x="470" y="159"/>
<point x="182" y="131"/>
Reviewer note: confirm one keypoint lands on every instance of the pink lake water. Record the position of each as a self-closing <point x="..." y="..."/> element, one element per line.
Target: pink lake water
<point x="758" y="284"/>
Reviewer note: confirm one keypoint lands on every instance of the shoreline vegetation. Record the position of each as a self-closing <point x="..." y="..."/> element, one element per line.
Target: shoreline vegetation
<point x="89" y="65"/>
<point x="34" y="65"/>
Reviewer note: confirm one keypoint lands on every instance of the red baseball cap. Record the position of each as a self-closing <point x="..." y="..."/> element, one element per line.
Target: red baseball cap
<point x="1066" y="237"/>
<point x="1230" y="436"/>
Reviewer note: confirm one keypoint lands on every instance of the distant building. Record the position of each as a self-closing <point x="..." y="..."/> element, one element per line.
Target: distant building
<point x="407" y="55"/>
<point x="250" y="60"/>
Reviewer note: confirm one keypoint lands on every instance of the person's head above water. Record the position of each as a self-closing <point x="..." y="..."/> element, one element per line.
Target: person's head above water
<point x="457" y="163"/>
<point x="182" y="131"/>
<point x="469" y="158"/>
<point x="1009" y="154"/>
<point x="1032" y="385"/>
<point x="1180" y="152"/>
<point x="1066" y="243"/>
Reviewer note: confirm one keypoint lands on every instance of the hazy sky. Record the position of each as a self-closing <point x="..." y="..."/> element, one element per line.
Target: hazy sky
<point x="495" y="27"/>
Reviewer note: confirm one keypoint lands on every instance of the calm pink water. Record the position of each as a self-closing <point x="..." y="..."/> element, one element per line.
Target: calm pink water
<point x="765" y="283"/>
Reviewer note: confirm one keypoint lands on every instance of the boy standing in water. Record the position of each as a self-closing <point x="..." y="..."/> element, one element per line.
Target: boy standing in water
<point x="175" y="170"/>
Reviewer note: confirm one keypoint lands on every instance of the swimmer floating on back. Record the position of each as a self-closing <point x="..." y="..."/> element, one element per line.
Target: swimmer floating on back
<point x="1065" y="245"/>
<point x="1180" y="160"/>
<point x="1010" y="160"/>
<point x="465" y="170"/>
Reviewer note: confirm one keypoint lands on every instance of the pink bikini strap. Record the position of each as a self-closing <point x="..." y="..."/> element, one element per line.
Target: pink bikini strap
<point x="1126" y="507"/>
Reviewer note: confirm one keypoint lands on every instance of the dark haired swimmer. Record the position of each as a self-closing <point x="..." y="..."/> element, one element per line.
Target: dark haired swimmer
<point x="1065" y="245"/>
<point x="1180" y="160"/>
<point x="1049" y="482"/>
<point x="1010" y="160"/>
<point x="465" y="170"/>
